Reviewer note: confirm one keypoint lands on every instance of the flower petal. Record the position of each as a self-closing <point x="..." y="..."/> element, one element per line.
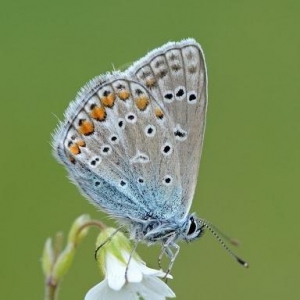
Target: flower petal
<point x="152" y="286"/>
<point x="96" y="292"/>
<point x="152" y="272"/>
<point x="102" y="291"/>
<point x="134" y="273"/>
<point x="125" y="294"/>
<point x="115" y="272"/>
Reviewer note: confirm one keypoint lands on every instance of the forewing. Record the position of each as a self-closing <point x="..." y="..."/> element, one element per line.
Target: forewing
<point x="119" y="148"/>
<point x="175" y="74"/>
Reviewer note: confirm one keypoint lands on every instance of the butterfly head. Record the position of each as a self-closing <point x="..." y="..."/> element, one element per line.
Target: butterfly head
<point x="193" y="228"/>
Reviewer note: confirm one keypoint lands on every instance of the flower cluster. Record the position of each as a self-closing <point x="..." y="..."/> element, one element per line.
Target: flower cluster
<point x="126" y="275"/>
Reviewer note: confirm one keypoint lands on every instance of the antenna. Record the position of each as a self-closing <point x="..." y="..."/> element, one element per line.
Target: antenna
<point x="217" y="233"/>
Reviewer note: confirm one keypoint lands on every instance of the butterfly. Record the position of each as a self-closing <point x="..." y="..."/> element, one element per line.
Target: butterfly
<point x="132" y="141"/>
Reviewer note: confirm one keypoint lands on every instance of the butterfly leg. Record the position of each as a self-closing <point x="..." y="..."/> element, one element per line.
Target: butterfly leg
<point x="164" y="250"/>
<point x="106" y="241"/>
<point x="172" y="255"/>
<point x="129" y="259"/>
<point x="168" y="252"/>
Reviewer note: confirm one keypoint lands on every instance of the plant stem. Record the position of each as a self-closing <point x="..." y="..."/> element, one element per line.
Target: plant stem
<point x="96" y="223"/>
<point x="51" y="291"/>
<point x="51" y="285"/>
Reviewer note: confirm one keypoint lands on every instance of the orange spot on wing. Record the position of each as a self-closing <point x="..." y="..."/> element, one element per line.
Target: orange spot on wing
<point x="86" y="127"/>
<point x="142" y="102"/>
<point x="159" y="113"/>
<point x="98" y="113"/>
<point x="108" y="100"/>
<point x="74" y="148"/>
<point x="124" y="94"/>
<point x="81" y="143"/>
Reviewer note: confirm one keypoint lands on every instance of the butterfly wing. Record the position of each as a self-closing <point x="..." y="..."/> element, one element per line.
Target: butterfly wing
<point x="119" y="148"/>
<point x="175" y="75"/>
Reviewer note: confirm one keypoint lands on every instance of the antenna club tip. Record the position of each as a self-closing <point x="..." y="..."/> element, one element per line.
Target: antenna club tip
<point x="242" y="262"/>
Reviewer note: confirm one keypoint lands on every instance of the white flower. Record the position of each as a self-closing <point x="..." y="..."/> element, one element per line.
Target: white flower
<point x="141" y="281"/>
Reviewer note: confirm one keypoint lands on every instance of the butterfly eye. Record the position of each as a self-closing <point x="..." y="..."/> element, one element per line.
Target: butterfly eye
<point x="192" y="227"/>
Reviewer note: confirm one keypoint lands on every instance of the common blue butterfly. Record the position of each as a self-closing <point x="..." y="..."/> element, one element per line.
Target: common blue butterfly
<point x="131" y="141"/>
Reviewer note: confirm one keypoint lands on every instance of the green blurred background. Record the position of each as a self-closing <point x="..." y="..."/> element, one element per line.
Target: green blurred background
<point x="249" y="178"/>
